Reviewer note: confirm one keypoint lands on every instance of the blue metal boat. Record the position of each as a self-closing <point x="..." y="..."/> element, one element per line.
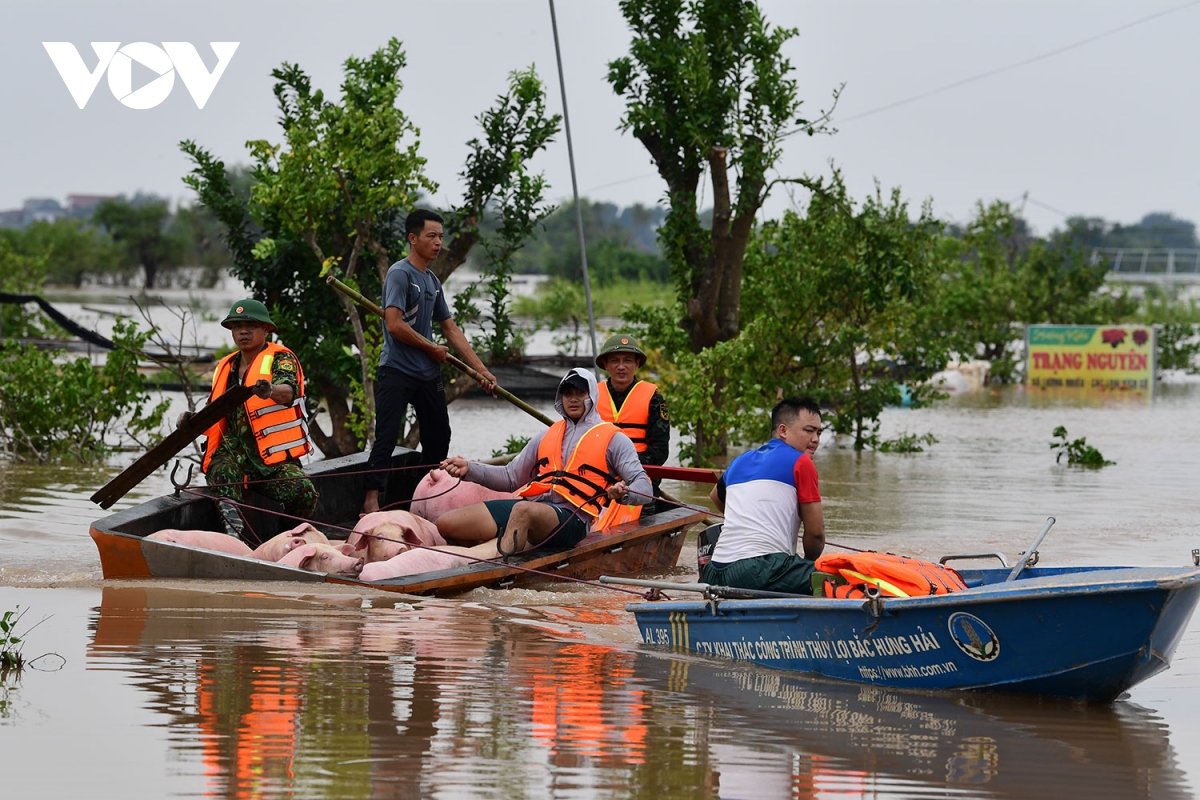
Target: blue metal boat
<point x="1085" y="632"/>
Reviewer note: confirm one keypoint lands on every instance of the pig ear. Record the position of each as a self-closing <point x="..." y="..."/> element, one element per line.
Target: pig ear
<point x="346" y="549"/>
<point x="304" y="554"/>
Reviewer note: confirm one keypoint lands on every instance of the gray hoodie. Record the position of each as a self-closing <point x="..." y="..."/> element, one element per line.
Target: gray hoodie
<point x="621" y="456"/>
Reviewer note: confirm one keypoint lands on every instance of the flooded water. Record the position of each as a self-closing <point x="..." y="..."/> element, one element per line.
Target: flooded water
<point x="207" y="689"/>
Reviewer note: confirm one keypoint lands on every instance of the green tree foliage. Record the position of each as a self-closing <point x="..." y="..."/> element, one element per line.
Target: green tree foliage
<point x="708" y="92"/>
<point x="141" y="228"/>
<point x="999" y="279"/>
<point x="336" y="192"/>
<point x="73" y="250"/>
<point x="500" y="186"/>
<point x="74" y="409"/>
<point x="621" y="245"/>
<point x="1156" y="230"/>
<point x="836" y="305"/>
<point x="20" y="274"/>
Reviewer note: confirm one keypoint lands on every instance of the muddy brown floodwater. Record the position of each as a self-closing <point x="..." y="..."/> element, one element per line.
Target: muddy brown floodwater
<point x="191" y="688"/>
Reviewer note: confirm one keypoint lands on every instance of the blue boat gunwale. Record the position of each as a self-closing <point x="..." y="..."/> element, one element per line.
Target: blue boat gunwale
<point x="1043" y="581"/>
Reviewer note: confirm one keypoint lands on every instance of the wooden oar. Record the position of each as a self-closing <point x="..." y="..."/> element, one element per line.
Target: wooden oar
<point x="374" y="308"/>
<point x="180" y="438"/>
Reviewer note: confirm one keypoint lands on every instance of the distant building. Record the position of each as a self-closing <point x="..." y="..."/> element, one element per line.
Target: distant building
<point x="41" y="209"/>
<point x="82" y="206"/>
<point x="47" y="209"/>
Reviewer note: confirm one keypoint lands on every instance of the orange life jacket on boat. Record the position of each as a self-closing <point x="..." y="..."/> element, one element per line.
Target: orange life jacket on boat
<point x="279" y="431"/>
<point x="633" y="417"/>
<point x="585" y="479"/>
<point x="895" y="576"/>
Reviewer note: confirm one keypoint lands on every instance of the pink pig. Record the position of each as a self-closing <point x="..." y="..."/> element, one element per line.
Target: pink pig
<point x="438" y="493"/>
<point x="209" y="540"/>
<point x="278" y="546"/>
<point x="323" y="558"/>
<point x="428" y="559"/>
<point x="402" y="527"/>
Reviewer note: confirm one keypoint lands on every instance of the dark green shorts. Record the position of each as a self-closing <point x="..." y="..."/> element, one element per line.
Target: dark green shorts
<point x="571" y="529"/>
<point x="774" y="572"/>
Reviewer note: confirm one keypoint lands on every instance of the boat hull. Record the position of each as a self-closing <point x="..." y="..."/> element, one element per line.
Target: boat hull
<point x="125" y="553"/>
<point x="1088" y="633"/>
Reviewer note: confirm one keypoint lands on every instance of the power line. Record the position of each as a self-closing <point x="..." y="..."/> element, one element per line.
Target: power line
<point x="972" y="79"/>
<point x="1013" y="66"/>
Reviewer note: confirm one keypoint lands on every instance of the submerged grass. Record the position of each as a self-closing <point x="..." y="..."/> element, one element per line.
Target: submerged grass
<point x="10" y="643"/>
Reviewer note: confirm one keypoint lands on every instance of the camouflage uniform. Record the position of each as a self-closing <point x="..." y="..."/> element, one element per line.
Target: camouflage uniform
<point x="236" y="459"/>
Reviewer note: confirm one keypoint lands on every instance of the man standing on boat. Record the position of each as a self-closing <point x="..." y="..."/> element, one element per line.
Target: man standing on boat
<point x="767" y="495"/>
<point x="410" y="365"/>
<point x="581" y="473"/>
<point x="635" y="406"/>
<point x="261" y="441"/>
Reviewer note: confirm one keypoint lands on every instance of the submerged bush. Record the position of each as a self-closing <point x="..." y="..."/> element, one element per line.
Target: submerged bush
<point x="10" y="643"/>
<point x="1078" y="451"/>
<point x="907" y="443"/>
<point x="75" y="409"/>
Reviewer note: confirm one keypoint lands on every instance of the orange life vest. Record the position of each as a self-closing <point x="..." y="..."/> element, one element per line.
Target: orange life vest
<point x="585" y="479"/>
<point x="633" y="417"/>
<point x="895" y="576"/>
<point x="279" y="431"/>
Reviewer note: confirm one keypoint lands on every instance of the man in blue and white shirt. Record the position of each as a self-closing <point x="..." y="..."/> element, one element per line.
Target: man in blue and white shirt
<point x="768" y="495"/>
<point x="410" y="364"/>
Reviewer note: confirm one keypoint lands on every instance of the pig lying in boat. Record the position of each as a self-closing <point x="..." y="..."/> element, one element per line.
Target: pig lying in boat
<point x="438" y="493"/>
<point x="384" y="534"/>
<point x="324" y="558"/>
<point x="411" y="560"/>
<point x="273" y="549"/>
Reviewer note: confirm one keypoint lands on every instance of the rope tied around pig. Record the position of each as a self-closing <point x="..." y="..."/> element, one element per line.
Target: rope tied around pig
<point x="415" y="546"/>
<point x="505" y="557"/>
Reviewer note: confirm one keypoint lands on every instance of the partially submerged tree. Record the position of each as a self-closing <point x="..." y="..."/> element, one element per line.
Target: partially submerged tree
<point x="141" y="227"/>
<point x="999" y="279"/>
<point x="708" y="93"/>
<point x="834" y="306"/>
<point x="335" y="194"/>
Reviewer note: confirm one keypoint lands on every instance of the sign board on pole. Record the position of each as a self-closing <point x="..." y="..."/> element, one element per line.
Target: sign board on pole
<point x="1090" y="356"/>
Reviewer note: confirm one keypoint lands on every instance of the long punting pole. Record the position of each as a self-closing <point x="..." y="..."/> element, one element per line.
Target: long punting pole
<point x="462" y="366"/>
<point x="562" y="85"/>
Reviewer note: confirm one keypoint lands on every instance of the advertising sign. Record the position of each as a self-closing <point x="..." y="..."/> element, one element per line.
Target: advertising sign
<point x="1090" y="356"/>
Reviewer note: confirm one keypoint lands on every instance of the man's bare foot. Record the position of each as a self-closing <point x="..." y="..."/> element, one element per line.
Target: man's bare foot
<point x="370" y="503"/>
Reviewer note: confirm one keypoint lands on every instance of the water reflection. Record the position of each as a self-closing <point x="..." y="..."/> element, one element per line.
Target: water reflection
<point x="310" y="696"/>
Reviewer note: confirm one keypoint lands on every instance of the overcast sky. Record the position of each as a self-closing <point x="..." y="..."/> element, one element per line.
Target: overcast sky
<point x="1107" y="128"/>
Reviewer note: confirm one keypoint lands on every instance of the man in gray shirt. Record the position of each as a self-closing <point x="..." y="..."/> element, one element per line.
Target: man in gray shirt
<point x="410" y="365"/>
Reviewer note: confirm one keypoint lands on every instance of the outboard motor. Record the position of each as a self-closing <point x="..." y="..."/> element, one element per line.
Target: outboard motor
<point x="706" y="542"/>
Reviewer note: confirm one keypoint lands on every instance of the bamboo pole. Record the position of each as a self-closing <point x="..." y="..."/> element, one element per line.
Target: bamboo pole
<point x="466" y="368"/>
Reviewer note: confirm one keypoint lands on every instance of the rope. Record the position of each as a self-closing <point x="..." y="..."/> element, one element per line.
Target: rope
<point x="475" y="559"/>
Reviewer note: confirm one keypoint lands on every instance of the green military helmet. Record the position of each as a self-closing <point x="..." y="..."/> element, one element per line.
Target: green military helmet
<point x="248" y="310"/>
<point x="621" y="343"/>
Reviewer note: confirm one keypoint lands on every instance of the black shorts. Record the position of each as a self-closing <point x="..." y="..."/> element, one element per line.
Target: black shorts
<point x="571" y="529"/>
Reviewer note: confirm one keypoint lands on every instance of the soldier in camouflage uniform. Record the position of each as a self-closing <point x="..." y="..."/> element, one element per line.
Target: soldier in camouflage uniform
<point x="636" y="406"/>
<point x="235" y="458"/>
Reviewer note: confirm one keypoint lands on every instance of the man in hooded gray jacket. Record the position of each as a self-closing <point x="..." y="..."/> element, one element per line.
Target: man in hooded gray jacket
<point x="552" y="518"/>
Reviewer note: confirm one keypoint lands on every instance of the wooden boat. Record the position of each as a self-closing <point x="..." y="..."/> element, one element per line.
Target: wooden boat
<point x="125" y="553"/>
<point x="1084" y="632"/>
